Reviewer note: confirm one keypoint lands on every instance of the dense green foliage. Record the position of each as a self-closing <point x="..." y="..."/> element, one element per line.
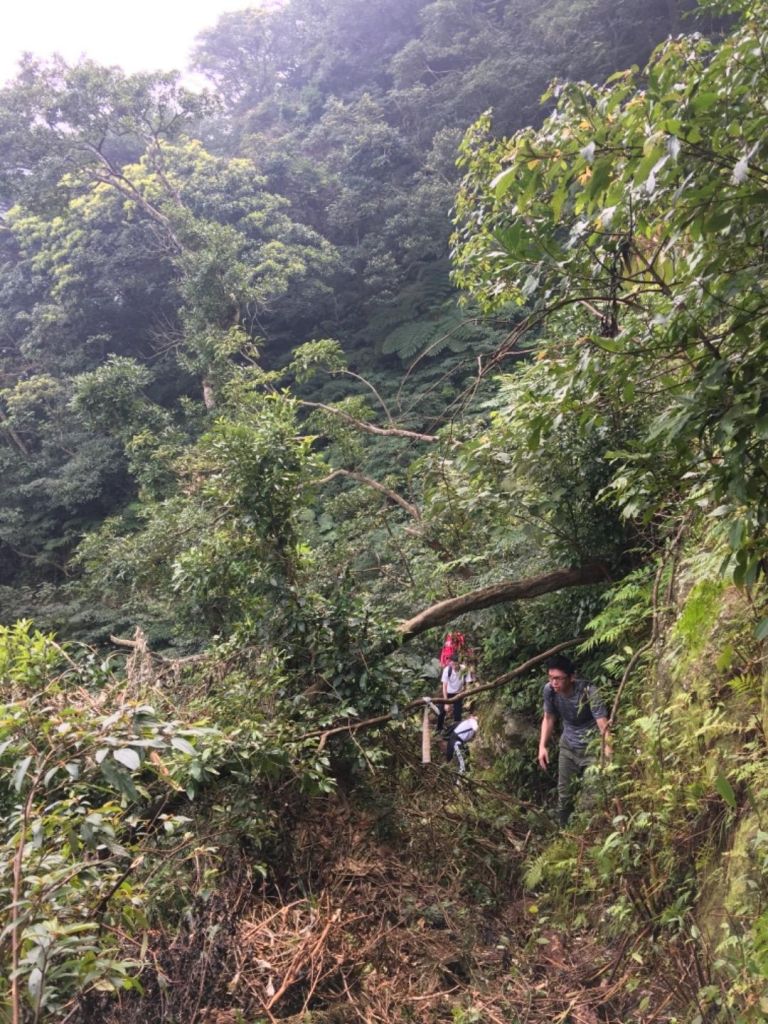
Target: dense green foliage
<point x="309" y="197"/>
<point x="632" y="223"/>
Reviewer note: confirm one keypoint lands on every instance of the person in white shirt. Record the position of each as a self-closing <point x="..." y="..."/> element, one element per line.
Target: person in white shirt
<point x="460" y="735"/>
<point x="453" y="680"/>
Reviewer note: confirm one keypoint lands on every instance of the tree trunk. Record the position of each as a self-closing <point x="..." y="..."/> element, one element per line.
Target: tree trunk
<point x="209" y="395"/>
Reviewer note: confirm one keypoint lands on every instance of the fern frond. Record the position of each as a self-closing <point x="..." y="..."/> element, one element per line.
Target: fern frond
<point x="431" y="337"/>
<point x="534" y="873"/>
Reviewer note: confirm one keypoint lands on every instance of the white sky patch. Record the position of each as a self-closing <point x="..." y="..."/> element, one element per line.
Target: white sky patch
<point x="139" y="35"/>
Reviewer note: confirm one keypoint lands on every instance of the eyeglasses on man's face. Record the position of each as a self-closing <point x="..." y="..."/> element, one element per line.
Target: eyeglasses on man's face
<point x="558" y="677"/>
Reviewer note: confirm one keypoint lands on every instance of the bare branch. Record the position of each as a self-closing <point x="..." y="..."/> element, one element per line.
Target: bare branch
<point x="114" y="177"/>
<point x="367" y="383"/>
<point x="13" y="434"/>
<point x="369" y="428"/>
<point x="418" y="705"/>
<point x="393" y="496"/>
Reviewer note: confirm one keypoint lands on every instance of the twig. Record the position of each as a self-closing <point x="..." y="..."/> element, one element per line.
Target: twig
<point x="290" y="975"/>
<point x="627" y="671"/>
<point x="369" y="428"/>
<point x="393" y="496"/>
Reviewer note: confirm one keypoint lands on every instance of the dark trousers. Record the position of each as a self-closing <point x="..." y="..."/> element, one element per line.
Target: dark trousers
<point x="457" y="709"/>
<point x="571" y="765"/>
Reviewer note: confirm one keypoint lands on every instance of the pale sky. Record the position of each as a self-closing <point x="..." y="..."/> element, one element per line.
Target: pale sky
<point x="139" y="35"/>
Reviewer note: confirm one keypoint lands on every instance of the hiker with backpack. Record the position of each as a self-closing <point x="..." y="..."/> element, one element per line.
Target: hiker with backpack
<point x="575" y="703"/>
<point x="454" y="645"/>
<point x="454" y="680"/>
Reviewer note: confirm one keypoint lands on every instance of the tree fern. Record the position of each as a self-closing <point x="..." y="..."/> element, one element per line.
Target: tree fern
<point x="449" y="330"/>
<point x="408" y="340"/>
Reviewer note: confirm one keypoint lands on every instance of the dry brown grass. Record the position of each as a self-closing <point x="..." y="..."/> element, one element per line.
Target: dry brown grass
<point x="363" y="925"/>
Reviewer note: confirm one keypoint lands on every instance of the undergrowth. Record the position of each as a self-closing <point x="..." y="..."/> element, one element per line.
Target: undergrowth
<point x="670" y="863"/>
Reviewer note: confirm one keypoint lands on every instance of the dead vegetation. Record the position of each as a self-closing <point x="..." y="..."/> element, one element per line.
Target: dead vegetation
<point x="407" y="911"/>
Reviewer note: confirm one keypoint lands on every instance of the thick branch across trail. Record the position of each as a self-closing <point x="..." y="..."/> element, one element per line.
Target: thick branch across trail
<point x="445" y="611"/>
<point x="417" y="705"/>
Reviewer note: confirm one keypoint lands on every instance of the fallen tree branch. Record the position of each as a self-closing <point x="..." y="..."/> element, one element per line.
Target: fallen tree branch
<point x="418" y="705"/>
<point x="516" y="590"/>
<point x="139" y="644"/>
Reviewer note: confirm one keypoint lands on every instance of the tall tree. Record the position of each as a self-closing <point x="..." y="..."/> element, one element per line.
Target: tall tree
<point x="632" y="223"/>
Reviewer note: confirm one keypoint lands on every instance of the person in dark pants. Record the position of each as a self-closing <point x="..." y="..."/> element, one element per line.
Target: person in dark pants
<point x="583" y="714"/>
<point x="460" y="735"/>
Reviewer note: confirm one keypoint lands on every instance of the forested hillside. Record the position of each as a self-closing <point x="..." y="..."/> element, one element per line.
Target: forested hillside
<point x="157" y="243"/>
<point x="425" y="316"/>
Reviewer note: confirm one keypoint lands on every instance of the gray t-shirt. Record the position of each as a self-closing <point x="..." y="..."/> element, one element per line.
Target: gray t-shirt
<point x="577" y="712"/>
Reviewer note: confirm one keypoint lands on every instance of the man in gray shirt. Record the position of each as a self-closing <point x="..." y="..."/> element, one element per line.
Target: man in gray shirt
<point x="578" y="706"/>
